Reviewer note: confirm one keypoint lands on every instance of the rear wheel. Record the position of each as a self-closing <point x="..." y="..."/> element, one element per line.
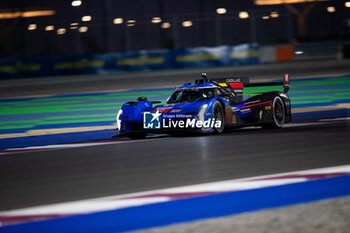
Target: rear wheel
<point x="218" y="115"/>
<point x="278" y="114"/>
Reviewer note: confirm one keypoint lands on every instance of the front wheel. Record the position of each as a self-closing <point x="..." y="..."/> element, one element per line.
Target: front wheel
<point x="278" y="114"/>
<point x="218" y="115"/>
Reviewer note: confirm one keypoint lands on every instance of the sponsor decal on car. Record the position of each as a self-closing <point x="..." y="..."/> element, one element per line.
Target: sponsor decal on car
<point x="235" y="109"/>
<point x="228" y="109"/>
<point x="176" y="110"/>
<point x="245" y="110"/>
<point x="163" y="109"/>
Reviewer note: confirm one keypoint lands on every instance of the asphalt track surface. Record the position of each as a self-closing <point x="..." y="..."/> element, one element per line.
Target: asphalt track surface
<point x="36" y="178"/>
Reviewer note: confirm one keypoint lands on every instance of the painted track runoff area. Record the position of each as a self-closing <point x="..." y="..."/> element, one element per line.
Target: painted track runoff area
<point x="61" y="119"/>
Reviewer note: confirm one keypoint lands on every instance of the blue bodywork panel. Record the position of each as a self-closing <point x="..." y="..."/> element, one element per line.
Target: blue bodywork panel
<point x="131" y="113"/>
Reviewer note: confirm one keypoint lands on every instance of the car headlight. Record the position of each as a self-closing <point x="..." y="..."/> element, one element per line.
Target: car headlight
<point x="202" y="111"/>
<point x="118" y="120"/>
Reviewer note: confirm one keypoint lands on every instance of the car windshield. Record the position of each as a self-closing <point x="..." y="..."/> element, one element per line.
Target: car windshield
<point x="190" y="95"/>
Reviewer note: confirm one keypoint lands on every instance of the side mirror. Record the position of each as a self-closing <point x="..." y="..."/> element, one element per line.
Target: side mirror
<point x="142" y="98"/>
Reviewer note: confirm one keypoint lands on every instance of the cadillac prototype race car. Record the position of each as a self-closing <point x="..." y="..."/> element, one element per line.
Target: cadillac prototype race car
<point x="208" y="105"/>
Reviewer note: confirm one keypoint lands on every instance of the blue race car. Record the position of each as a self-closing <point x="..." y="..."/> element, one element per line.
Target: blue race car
<point x="207" y="106"/>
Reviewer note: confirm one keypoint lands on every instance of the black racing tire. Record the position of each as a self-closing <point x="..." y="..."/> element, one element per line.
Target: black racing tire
<point x="137" y="135"/>
<point x="218" y="114"/>
<point x="278" y="114"/>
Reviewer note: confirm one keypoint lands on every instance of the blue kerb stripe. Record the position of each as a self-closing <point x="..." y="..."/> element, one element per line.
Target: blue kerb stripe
<point x="160" y="214"/>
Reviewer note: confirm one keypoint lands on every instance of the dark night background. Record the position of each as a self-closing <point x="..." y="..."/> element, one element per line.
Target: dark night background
<point x="208" y="29"/>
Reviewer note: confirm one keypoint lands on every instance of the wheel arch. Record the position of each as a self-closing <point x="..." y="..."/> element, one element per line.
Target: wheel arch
<point x="221" y="101"/>
<point x="268" y="96"/>
<point x="222" y="105"/>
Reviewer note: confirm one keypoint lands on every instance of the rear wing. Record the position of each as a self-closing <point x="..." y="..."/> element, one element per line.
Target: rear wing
<point x="238" y="83"/>
<point x="285" y="84"/>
